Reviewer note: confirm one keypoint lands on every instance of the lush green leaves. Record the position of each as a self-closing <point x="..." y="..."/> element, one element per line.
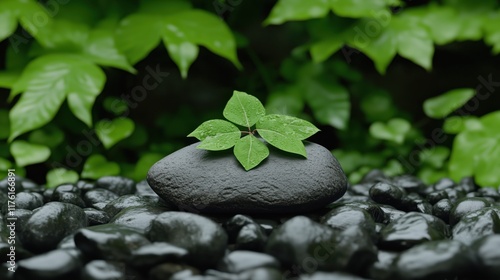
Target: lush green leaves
<point x="394" y="130"/>
<point x="46" y="83"/>
<point x="456" y="124"/>
<point x="27" y="153"/>
<point x="281" y="131"/>
<point x="97" y="166"/>
<point x="441" y="106"/>
<point x="243" y="109"/>
<point x="12" y="11"/>
<point x="250" y="151"/>
<point x="58" y="176"/>
<point x="476" y="152"/>
<point x="216" y="135"/>
<point x="112" y="132"/>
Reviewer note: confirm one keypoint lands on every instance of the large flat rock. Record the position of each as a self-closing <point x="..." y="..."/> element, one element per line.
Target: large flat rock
<point x="214" y="182"/>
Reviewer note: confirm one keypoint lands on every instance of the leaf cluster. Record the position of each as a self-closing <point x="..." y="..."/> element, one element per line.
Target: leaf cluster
<point x="281" y="131"/>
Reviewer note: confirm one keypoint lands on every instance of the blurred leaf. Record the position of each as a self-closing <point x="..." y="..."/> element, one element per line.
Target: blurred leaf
<point x="5" y="164"/>
<point x="477" y="152"/>
<point x="440" y="106"/>
<point x="138" y="138"/>
<point x="144" y="164"/>
<point x="393" y="168"/>
<point x="394" y="130"/>
<point x="492" y="33"/>
<point x="250" y="151"/>
<point x="329" y="102"/>
<point x="244" y="109"/>
<point x="96" y="166"/>
<point x="469" y="17"/>
<point x="216" y="135"/>
<point x="286" y="101"/>
<point x="58" y="176"/>
<point x="8" y="78"/>
<point x="430" y="175"/>
<point x="115" y="105"/>
<point x="4" y="124"/>
<point x="112" y="132"/>
<point x="351" y="160"/>
<point x="435" y="157"/>
<point x="354" y="8"/>
<point x="13" y="10"/>
<point x="441" y="21"/>
<point x="457" y="124"/>
<point x="46" y="82"/>
<point x="377" y="105"/>
<point x="286" y="10"/>
<point x="26" y="153"/>
<point x="49" y="135"/>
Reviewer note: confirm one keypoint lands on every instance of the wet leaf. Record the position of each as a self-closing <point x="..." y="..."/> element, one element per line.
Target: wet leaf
<point x="250" y="151"/>
<point x="282" y="141"/>
<point x="216" y="135"/>
<point x="292" y="127"/>
<point x="244" y="109"/>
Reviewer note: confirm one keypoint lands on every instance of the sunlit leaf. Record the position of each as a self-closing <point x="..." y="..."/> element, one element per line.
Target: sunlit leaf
<point x="244" y="109"/>
<point x="216" y="135"/>
<point x="96" y="166"/>
<point x="26" y="153"/>
<point x="58" y="176"/>
<point x="441" y="106"/>
<point x="250" y="151"/>
<point x="394" y="130"/>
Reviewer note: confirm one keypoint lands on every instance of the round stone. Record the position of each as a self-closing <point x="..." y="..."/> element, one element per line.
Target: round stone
<point x="203" y="181"/>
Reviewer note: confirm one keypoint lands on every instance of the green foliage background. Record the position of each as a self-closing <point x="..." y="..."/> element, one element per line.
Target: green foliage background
<point x="94" y="88"/>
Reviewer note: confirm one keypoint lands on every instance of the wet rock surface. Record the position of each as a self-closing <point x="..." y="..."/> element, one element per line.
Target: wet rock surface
<point x="382" y="229"/>
<point x="203" y="181"/>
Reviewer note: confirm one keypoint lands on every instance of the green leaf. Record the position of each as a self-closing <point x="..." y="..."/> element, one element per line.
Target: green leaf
<point x="46" y="82"/>
<point x="137" y="35"/>
<point x="393" y="168"/>
<point x="476" y="152"/>
<point x="183" y="53"/>
<point x="282" y="141"/>
<point x="58" y="176"/>
<point x="457" y="124"/>
<point x="441" y="106"/>
<point x="377" y="105"/>
<point x="216" y="135"/>
<point x="292" y="127"/>
<point x="8" y="23"/>
<point x="288" y="101"/>
<point x="243" y="109"/>
<point x="435" y="157"/>
<point x="50" y="136"/>
<point x="26" y="153"/>
<point x="161" y="7"/>
<point x="13" y="10"/>
<point x="250" y="151"/>
<point x="329" y="102"/>
<point x="96" y="166"/>
<point x="8" y="78"/>
<point x="430" y="175"/>
<point x="357" y="9"/>
<point x="394" y="130"/>
<point x="112" y="132"/>
<point x="5" y="164"/>
<point x="4" y="124"/>
<point x="286" y="10"/>
<point x="144" y="164"/>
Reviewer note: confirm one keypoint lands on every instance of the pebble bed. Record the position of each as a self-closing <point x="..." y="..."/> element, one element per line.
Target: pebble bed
<point x="382" y="228"/>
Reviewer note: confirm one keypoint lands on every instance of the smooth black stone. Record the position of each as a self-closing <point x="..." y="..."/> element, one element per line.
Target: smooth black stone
<point x="98" y="195"/>
<point x="344" y="217"/>
<point x="68" y="197"/>
<point x="413" y="202"/>
<point x="109" y="242"/>
<point x="47" y="195"/>
<point x="167" y="270"/>
<point x="155" y="253"/>
<point x="296" y="239"/>
<point x="137" y="217"/>
<point x="320" y="275"/>
<point x="22" y="216"/>
<point x="477" y="224"/>
<point x="204" y="181"/>
<point x="487" y="256"/>
<point x="240" y="261"/>
<point x="391" y="214"/>
<point x="436" y="196"/>
<point x="103" y="270"/>
<point x="20" y="253"/>
<point x="84" y="186"/>
<point x="374" y="176"/>
<point x="143" y="189"/>
<point x="466" y="206"/>
<point x="443" y="259"/>
<point x="467" y="184"/>
<point x="4" y="184"/>
<point x="50" y="224"/>
<point x="360" y="189"/>
<point x="65" y="188"/>
<point x="126" y="201"/>
<point x="25" y="200"/>
<point x="386" y="193"/>
<point x="409" y="183"/>
<point x="96" y="217"/>
<point x="454" y="194"/>
<point x="411" y="229"/>
<point x="234" y="225"/>
<point x="382" y="268"/>
<point x="442" y="209"/>
<point x="262" y="273"/>
<point x="251" y="237"/>
<point x="205" y="240"/>
<point x="68" y="242"/>
<point x="445" y="183"/>
<point x="489" y="193"/>
<point x="53" y="265"/>
<point x="117" y="184"/>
